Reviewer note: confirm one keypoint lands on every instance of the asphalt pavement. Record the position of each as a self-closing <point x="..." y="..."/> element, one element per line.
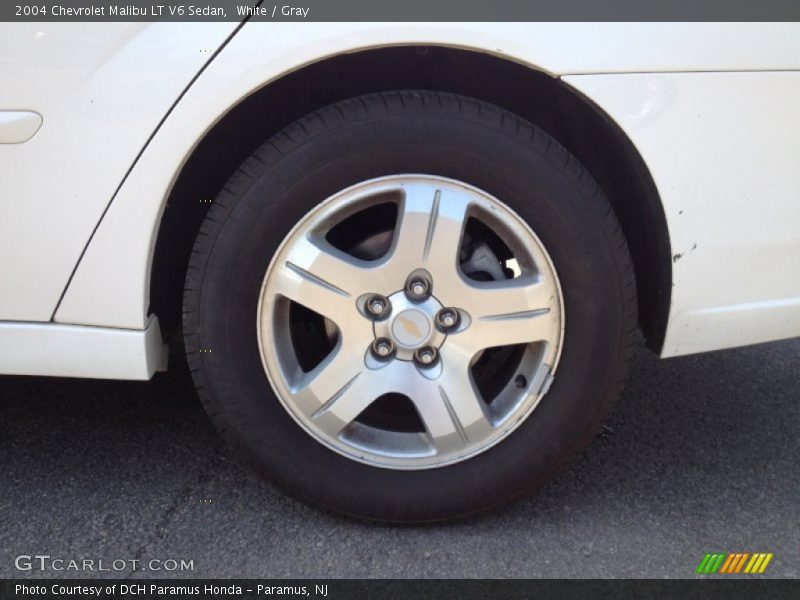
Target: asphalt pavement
<point x="700" y="456"/>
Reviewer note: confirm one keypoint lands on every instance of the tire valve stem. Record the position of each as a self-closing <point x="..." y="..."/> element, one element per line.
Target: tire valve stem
<point x="382" y="348"/>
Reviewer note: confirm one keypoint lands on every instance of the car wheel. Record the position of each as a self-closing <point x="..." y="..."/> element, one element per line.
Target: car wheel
<point x="410" y="306"/>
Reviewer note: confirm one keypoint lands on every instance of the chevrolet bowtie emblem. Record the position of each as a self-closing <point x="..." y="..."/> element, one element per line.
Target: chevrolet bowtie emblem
<point x="410" y="326"/>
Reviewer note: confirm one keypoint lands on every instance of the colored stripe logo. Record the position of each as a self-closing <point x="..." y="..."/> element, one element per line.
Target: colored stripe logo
<point x="734" y="562"/>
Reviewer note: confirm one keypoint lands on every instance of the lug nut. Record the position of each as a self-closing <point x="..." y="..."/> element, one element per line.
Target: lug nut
<point x="377" y="305"/>
<point x="417" y="288"/>
<point x="382" y="348"/>
<point x="447" y="318"/>
<point x="425" y="356"/>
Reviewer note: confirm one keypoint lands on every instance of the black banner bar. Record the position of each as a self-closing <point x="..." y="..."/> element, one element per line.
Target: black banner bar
<point x="375" y="589"/>
<point x="398" y="10"/>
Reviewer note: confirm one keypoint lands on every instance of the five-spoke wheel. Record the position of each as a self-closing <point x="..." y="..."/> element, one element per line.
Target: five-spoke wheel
<point x="411" y="323"/>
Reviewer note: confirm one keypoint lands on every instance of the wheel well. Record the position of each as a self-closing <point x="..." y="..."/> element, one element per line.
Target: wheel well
<point x="549" y="103"/>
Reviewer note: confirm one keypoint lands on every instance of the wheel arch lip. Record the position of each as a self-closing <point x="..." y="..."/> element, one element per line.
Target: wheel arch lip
<point x="130" y="238"/>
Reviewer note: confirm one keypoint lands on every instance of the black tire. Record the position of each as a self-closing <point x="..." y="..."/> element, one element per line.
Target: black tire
<point x="409" y="132"/>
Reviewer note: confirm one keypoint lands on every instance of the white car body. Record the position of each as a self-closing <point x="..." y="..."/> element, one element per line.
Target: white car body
<point x="712" y="110"/>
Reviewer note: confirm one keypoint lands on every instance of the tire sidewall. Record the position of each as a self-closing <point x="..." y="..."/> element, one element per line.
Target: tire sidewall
<point x="565" y="212"/>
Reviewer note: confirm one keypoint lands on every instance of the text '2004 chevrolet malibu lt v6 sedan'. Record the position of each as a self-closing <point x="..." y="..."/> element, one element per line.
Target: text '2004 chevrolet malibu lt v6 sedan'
<point x="406" y="264"/>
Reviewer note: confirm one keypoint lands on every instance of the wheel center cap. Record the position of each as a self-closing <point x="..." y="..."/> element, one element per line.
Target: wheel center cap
<point x="411" y="328"/>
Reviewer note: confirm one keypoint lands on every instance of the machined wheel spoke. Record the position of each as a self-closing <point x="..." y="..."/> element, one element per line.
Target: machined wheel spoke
<point x="452" y="410"/>
<point x="322" y="279"/>
<point x="430" y="227"/>
<point x="500" y="299"/>
<point x="508" y="313"/>
<point x="335" y="392"/>
<point x="517" y="328"/>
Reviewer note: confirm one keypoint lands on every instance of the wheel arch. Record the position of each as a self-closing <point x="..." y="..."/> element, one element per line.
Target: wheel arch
<point x="580" y="125"/>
